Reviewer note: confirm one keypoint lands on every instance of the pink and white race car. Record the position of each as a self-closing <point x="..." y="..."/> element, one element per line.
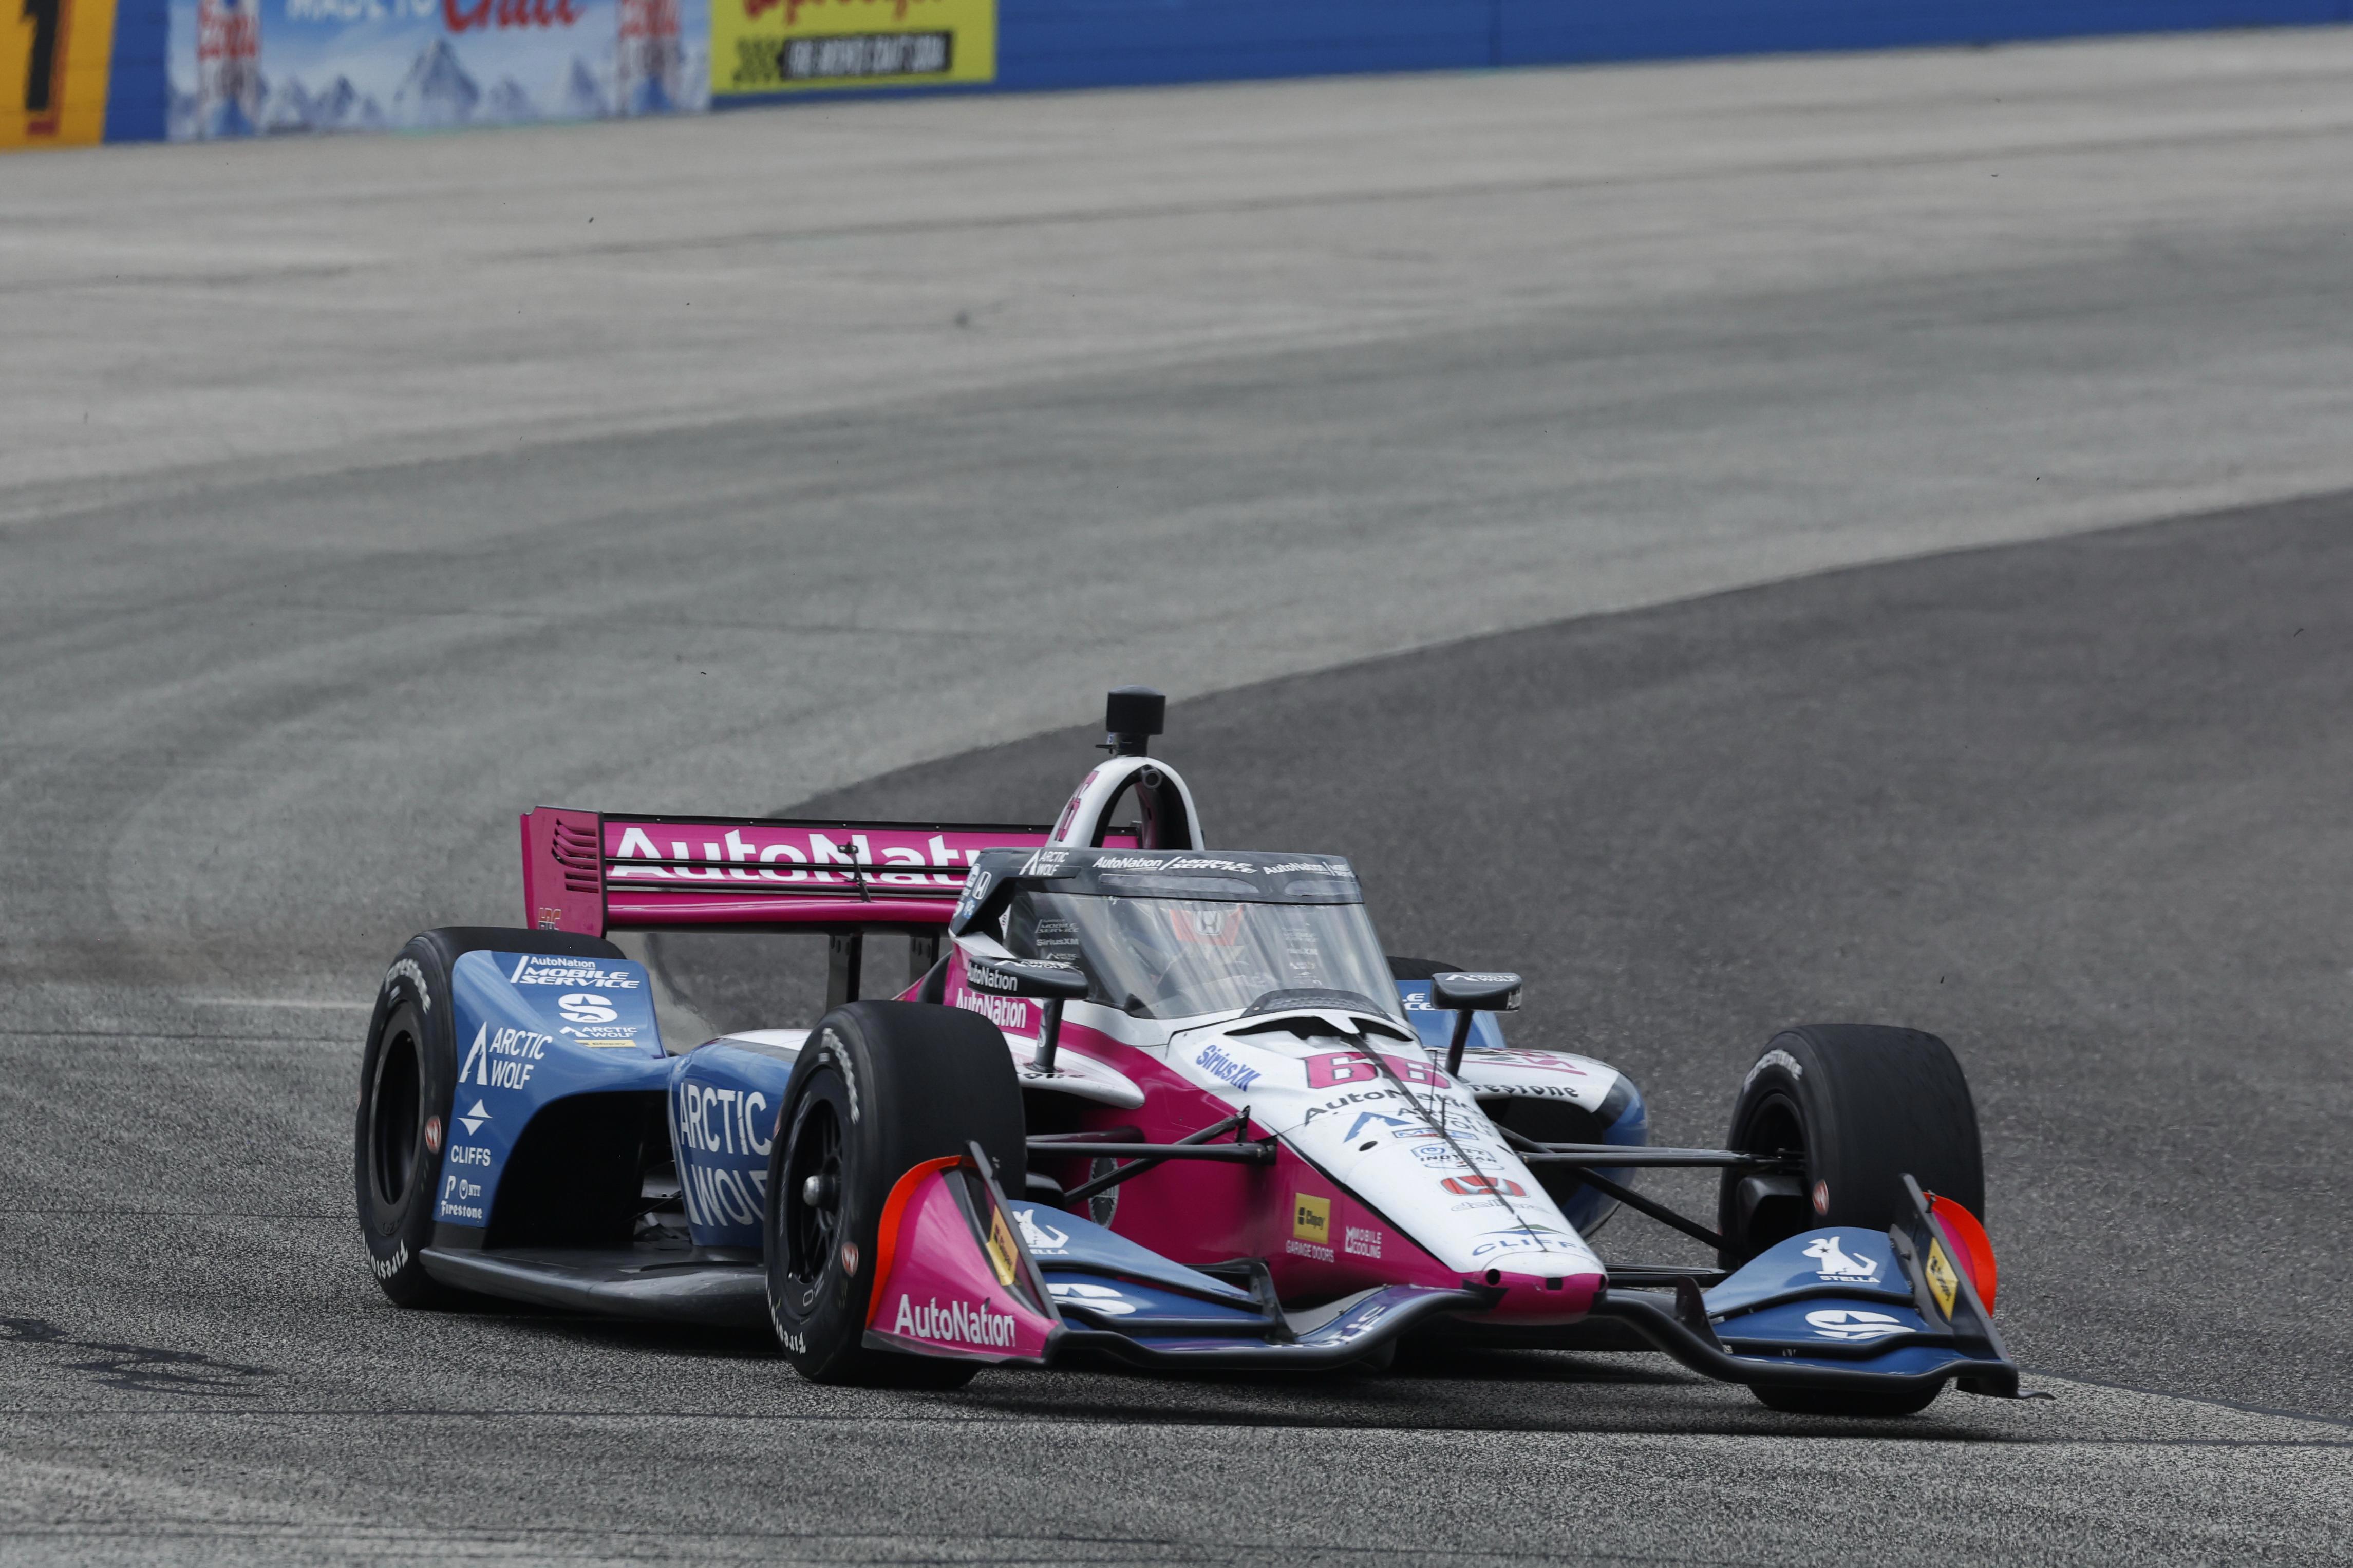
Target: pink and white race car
<point x="1141" y="1100"/>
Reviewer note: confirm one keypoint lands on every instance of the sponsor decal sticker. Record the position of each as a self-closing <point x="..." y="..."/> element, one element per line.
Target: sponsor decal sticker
<point x="1311" y="1218"/>
<point x="1003" y="1256"/>
<point x="470" y="1154"/>
<point x="1100" y="1298"/>
<point x="1005" y="1011"/>
<point x="579" y="973"/>
<point x="505" y="1059"/>
<point x="716" y="1120"/>
<point x="1534" y="1091"/>
<point x="1332" y="1069"/>
<point x="1041" y="1238"/>
<point x="1835" y="1264"/>
<point x="1528" y="1240"/>
<point x="1821" y="1197"/>
<point x="433" y="1135"/>
<point x="385" y="1267"/>
<point x="957" y="1323"/>
<point x="473" y="1120"/>
<point x="1942" y="1283"/>
<point x="1853" y="1325"/>
<point x="1467" y="1187"/>
<point x="1364" y="1241"/>
<point x="1225" y="1070"/>
<point x="460" y="1198"/>
<point x="989" y="977"/>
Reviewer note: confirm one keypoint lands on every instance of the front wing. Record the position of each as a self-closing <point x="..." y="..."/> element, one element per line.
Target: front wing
<point x="966" y="1274"/>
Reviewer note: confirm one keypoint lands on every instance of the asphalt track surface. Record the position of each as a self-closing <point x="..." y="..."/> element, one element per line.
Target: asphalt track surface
<point x="272" y="685"/>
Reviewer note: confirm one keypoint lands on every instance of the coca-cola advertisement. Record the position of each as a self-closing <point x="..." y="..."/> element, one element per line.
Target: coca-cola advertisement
<point x="270" y="67"/>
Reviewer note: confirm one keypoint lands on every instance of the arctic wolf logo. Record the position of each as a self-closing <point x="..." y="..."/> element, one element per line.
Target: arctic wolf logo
<point x="1836" y="1264"/>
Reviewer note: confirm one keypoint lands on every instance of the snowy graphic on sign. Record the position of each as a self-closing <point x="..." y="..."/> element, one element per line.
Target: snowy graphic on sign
<point x="243" y="68"/>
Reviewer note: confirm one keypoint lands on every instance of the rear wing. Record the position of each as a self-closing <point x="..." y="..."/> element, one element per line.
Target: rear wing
<point x="596" y="872"/>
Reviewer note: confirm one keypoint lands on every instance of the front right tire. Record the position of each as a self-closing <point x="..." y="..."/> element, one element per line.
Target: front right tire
<point x="1864" y="1105"/>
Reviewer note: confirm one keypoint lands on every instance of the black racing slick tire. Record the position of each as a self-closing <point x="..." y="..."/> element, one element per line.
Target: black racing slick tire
<point x="1865" y="1105"/>
<point x="407" y="1073"/>
<point x="880" y="1087"/>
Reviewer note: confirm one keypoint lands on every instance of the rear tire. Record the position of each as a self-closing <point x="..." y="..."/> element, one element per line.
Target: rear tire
<point x="1864" y="1406"/>
<point x="406" y="1075"/>
<point x="881" y="1088"/>
<point x="1866" y="1105"/>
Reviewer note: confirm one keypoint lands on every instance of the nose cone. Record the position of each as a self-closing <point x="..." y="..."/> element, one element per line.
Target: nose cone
<point x="1379" y="1117"/>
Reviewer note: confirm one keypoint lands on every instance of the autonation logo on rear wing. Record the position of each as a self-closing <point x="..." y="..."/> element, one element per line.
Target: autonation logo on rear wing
<point x="595" y="873"/>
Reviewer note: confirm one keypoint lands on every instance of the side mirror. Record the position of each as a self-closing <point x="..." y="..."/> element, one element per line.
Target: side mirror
<point x="1459" y="992"/>
<point x="1049" y="984"/>
<point x="1025" y="977"/>
<point x="1467" y="995"/>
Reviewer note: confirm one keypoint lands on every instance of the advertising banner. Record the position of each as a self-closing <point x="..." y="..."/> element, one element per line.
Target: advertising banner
<point x="243" y="68"/>
<point x="762" y="48"/>
<point x="54" y="57"/>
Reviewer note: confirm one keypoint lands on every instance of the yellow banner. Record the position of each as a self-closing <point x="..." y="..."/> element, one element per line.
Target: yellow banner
<point x="54" y="56"/>
<point x="761" y="46"/>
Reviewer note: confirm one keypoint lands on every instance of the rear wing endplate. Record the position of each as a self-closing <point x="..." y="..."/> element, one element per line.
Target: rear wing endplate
<point x="596" y="872"/>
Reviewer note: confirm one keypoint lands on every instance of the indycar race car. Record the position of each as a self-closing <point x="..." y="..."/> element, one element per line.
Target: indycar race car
<point x="1138" y="1100"/>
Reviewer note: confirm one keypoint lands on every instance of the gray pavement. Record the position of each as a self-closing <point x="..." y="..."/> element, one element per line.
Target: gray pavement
<point x="357" y="494"/>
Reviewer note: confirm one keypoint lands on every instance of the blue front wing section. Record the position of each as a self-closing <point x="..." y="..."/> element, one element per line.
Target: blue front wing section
<point x="1830" y="1299"/>
<point x="532" y="1029"/>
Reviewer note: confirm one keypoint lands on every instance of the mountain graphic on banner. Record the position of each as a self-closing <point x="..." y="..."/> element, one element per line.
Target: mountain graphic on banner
<point x="287" y="107"/>
<point x="579" y="94"/>
<point x="342" y="106"/>
<point x="437" y="90"/>
<point x="509" y="104"/>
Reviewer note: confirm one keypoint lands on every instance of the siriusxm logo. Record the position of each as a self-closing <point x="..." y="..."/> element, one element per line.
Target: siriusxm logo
<point x="1219" y="1065"/>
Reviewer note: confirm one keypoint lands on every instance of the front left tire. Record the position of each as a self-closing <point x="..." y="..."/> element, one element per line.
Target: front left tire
<point x="881" y="1088"/>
